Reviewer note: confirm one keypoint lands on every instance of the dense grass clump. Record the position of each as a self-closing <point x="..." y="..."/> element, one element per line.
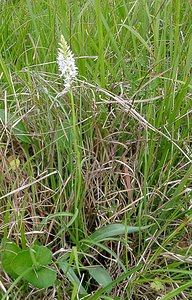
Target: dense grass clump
<point x="96" y="181"/>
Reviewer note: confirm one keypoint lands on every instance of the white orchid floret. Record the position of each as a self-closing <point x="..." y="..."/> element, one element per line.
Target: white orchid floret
<point x="66" y="64"/>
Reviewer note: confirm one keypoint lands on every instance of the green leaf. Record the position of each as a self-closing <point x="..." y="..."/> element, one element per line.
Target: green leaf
<point x="19" y="130"/>
<point x="98" y="294"/>
<point x="22" y="262"/>
<point x="41" y="278"/>
<point x="21" y="133"/>
<point x="113" y="230"/>
<point x="70" y="274"/>
<point x="37" y="256"/>
<point x="100" y="275"/>
<point x="9" y="252"/>
<point x="38" y="275"/>
<point x="42" y="255"/>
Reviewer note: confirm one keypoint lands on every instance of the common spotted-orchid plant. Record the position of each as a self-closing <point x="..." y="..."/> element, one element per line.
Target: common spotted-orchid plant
<point x="68" y="69"/>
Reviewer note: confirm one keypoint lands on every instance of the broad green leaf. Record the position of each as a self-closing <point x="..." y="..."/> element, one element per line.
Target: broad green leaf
<point x="70" y="274"/>
<point x="22" y="262"/>
<point x="100" y="275"/>
<point x="41" y="278"/>
<point x="98" y="294"/>
<point x="113" y="230"/>
<point x="38" y="275"/>
<point x="42" y="255"/>
<point x="9" y="252"/>
<point x="21" y="133"/>
<point x="37" y="256"/>
<point x="19" y="130"/>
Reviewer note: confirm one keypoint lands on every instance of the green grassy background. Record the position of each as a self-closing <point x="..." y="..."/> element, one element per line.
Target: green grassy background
<point x="133" y="104"/>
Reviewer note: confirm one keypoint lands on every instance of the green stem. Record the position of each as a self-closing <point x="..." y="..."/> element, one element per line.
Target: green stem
<point x="33" y="257"/>
<point x="78" y="181"/>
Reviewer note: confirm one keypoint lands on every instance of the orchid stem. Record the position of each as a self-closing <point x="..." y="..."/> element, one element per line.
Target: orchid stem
<point x="78" y="181"/>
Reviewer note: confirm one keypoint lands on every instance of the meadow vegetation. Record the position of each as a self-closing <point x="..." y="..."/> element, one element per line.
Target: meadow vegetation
<point x="96" y="183"/>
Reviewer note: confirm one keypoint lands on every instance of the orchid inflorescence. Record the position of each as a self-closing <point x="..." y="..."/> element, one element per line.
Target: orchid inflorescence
<point x="66" y="64"/>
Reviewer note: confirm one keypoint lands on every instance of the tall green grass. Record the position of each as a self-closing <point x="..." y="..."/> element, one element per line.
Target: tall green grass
<point x="132" y="106"/>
